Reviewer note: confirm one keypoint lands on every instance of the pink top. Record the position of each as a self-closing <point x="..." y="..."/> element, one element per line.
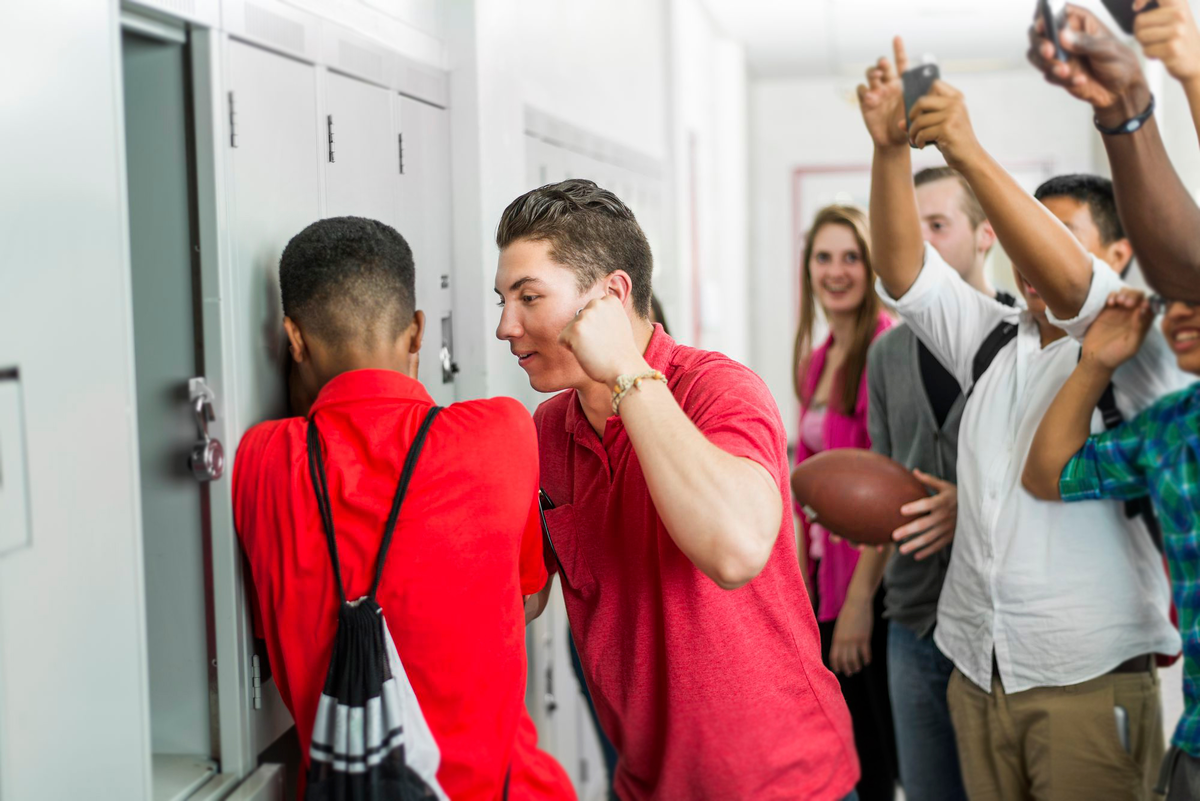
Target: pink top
<point x="837" y="559"/>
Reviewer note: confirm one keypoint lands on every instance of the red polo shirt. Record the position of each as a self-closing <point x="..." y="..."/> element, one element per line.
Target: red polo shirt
<point x="705" y="693"/>
<point x="467" y="546"/>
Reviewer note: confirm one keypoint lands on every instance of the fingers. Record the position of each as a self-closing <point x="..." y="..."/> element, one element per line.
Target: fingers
<point x="930" y="504"/>
<point x="1128" y="298"/>
<point x="928" y="128"/>
<point x="939" y="544"/>
<point x="901" y="54"/>
<point x="927" y="539"/>
<point x="924" y="525"/>
<point x="931" y="481"/>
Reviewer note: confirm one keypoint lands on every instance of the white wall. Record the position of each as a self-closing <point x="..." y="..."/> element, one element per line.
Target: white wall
<point x="73" y="715"/>
<point x="709" y="151"/>
<point x="815" y="123"/>
<point x="646" y="75"/>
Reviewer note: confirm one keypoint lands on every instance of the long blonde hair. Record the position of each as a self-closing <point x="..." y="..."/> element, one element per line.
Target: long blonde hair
<point x="846" y="383"/>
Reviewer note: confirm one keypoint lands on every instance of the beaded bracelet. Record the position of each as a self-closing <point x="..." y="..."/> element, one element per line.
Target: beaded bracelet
<point x="630" y="382"/>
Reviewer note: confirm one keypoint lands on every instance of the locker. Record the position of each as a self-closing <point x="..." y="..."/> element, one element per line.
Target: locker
<point x="274" y="188"/>
<point x="361" y="158"/>
<point x="423" y="217"/>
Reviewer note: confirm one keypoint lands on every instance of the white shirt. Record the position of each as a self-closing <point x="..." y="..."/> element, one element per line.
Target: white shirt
<point x="1063" y="593"/>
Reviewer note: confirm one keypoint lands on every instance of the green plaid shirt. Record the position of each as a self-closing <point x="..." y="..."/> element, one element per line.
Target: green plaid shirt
<point x="1158" y="454"/>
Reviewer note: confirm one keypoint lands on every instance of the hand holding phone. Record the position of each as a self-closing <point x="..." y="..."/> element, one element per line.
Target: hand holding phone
<point x="1123" y="13"/>
<point x="1168" y="33"/>
<point x="918" y="82"/>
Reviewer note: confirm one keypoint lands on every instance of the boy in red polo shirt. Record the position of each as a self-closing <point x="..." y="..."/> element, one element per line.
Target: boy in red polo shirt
<point x="667" y="467"/>
<point x="466" y="548"/>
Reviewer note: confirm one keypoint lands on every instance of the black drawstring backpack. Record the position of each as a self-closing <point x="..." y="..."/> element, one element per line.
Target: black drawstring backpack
<point x="370" y="741"/>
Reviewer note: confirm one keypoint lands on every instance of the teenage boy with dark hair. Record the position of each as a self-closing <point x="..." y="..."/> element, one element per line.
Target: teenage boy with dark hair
<point x="1157" y="455"/>
<point x="668" y="470"/>
<point x="1051" y="615"/>
<point x="1087" y="206"/>
<point x="915" y="408"/>
<point x="468" y="542"/>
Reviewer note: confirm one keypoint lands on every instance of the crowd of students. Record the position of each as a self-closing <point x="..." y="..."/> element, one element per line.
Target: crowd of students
<point x="1006" y="647"/>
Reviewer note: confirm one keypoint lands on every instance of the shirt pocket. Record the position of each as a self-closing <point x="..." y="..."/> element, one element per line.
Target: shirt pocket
<point x="568" y="550"/>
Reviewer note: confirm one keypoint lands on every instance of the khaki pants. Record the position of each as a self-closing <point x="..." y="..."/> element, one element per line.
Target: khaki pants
<point x="1058" y="743"/>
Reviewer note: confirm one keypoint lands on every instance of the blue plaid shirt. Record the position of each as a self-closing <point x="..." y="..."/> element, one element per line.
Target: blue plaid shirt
<point x="1158" y="454"/>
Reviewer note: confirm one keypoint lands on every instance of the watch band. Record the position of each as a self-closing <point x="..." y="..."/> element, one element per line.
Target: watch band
<point x="1130" y="125"/>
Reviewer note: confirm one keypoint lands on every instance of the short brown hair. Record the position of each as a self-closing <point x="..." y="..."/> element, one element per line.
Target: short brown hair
<point x="589" y="230"/>
<point x="970" y="203"/>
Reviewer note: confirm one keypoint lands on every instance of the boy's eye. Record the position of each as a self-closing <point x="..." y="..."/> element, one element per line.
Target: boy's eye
<point x="528" y="298"/>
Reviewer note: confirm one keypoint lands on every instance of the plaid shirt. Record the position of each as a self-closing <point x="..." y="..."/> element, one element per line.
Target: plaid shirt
<point x="1158" y="454"/>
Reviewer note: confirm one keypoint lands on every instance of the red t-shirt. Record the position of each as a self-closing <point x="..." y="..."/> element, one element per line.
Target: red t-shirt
<point x="467" y="546"/>
<point x="705" y="693"/>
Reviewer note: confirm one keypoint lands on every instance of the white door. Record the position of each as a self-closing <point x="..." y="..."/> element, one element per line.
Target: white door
<point x="422" y="200"/>
<point x="274" y="192"/>
<point x="362" y="160"/>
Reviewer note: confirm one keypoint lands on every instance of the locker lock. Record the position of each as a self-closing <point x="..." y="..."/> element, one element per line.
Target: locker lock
<point x="208" y="456"/>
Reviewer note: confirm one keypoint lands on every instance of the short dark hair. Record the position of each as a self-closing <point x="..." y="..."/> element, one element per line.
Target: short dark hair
<point x="970" y="203"/>
<point x="1097" y="193"/>
<point x="348" y="280"/>
<point x="589" y="230"/>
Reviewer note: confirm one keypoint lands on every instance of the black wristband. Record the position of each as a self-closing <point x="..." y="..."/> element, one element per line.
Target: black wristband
<point x="1130" y="125"/>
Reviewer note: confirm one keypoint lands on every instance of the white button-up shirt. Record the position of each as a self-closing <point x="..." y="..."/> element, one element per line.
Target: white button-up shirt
<point x="1062" y="593"/>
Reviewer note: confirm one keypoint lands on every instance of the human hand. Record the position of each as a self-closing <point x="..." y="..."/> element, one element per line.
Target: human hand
<point x="601" y="338"/>
<point x="850" y="650"/>
<point x="1118" y="333"/>
<point x="934" y="529"/>
<point x="1168" y="33"/>
<point x="940" y="118"/>
<point x="1099" y="68"/>
<point x="881" y="99"/>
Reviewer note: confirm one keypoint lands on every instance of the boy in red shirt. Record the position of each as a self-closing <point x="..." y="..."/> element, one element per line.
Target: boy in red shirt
<point x="466" y="548"/>
<point x="667" y="467"/>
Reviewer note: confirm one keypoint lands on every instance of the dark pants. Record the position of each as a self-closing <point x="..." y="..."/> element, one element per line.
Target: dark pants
<point x="866" y="694"/>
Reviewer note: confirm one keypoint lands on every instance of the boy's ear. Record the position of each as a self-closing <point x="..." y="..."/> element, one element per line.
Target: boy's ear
<point x="986" y="236"/>
<point x="418" y="329"/>
<point x="1120" y="255"/>
<point x="619" y="285"/>
<point x="295" y="337"/>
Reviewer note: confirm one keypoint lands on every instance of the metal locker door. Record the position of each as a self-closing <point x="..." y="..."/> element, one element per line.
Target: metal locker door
<point x="423" y="217"/>
<point x="361" y="156"/>
<point x="274" y="192"/>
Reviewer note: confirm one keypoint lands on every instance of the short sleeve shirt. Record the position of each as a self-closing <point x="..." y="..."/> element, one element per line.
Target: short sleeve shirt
<point x="467" y="546"/>
<point x="705" y="693"/>
<point x="1158" y="454"/>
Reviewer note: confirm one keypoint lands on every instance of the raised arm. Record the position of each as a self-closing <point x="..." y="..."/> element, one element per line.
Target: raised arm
<point x="1111" y="341"/>
<point x="1046" y="253"/>
<point x="722" y="510"/>
<point x="1159" y="214"/>
<point x="894" y="217"/>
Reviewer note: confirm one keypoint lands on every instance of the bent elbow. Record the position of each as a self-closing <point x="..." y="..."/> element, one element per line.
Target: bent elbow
<point x="737" y="570"/>
<point x="1038" y="485"/>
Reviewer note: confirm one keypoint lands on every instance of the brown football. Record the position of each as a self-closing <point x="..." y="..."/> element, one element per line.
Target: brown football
<point x="856" y="494"/>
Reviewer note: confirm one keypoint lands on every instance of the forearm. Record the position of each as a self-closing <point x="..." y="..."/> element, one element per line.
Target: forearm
<point x="895" y="220"/>
<point x="536" y="604"/>
<point x="1159" y="214"/>
<point x="1046" y="253"/>
<point x="1064" y="429"/>
<point x="868" y="575"/>
<point x="722" y="511"/>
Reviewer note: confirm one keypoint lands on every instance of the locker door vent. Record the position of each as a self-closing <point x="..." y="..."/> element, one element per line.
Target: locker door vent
<point x="361" y="61"/>
<point x="273" y="28"/>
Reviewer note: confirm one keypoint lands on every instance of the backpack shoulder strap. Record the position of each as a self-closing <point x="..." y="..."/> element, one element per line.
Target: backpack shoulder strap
<point x="1135" y="507"/>
<point x="993" y="343"/>
<point x="410" y="465"/>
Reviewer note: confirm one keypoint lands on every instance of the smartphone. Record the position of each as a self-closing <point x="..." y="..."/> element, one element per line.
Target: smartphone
<point x="1054" y="22"/>
<point x="1122" y="12"/>
<point x="917" y="83"/>
<point x="1122" y="717"/>
<point x="544" y="503"/>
